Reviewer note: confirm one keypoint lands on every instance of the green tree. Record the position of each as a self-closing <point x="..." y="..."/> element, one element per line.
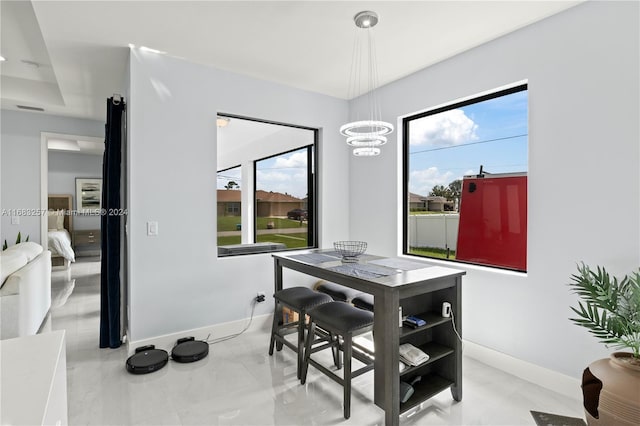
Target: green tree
<point x="455" y="188"/>
<point x="231" y="185"/>
<point x="440" y="191"/>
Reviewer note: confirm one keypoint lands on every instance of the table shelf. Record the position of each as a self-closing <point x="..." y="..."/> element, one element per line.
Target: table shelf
<point x="435" y="351"/>
<point x="432" y="319"/>
<point x="430" y="385"/>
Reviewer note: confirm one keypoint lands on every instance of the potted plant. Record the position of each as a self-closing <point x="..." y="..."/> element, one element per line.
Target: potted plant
<point x="610" y="309"/>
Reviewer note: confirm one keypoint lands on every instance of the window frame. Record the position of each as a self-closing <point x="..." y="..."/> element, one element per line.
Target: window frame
<point x="312" y="185"/>
<point x="406" y="172"/>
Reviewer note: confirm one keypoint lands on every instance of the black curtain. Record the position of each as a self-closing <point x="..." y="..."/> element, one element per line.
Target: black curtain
<point x="110" y="226"/>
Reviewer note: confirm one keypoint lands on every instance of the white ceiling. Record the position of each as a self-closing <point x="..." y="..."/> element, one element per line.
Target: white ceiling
<point x="80" y="48"/>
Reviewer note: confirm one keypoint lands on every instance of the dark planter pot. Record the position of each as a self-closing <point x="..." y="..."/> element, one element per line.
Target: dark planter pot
<point x="611" y="391"/>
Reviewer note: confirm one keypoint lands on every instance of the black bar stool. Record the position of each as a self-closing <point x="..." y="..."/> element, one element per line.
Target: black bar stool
<point x="363" y="301"/>
<point x="344" y="321"/>
<point x="338" y="292"/>
<point x="299" y="300"/>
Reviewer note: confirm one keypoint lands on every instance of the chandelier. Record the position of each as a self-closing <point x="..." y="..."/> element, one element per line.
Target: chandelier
<point x="365" y="134"/>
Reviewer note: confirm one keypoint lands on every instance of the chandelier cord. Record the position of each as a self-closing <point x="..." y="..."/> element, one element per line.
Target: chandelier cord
<point x="368" y="134"/>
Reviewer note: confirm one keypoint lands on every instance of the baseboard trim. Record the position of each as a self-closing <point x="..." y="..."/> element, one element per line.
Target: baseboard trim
<point x="216" y="331"/>
<point x="549" y="379"/>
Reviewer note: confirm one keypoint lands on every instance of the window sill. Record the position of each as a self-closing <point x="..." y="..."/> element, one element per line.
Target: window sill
<point x="464" y="266"/>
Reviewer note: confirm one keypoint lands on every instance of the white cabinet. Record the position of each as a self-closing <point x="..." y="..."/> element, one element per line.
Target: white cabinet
<point x="34" y="380"/>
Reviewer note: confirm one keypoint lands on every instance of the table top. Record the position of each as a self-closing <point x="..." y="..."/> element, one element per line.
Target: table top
<point x="377" y="271"/>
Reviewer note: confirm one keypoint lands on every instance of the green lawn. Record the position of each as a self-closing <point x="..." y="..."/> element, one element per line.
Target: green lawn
<point x="228" y="223"/>
<point x="227" y="241"/>
<point x="290" y="240"/>
<point x="432" y="252"/>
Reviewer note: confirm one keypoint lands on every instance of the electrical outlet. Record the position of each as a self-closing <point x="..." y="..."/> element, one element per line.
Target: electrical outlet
<point x="260" y="297"/>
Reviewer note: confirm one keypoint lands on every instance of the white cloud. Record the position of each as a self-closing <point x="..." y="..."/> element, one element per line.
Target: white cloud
<point x="297" y="159"/>
<point x="287" y="181"/>
<point x="422" y="181"/>
<point x="448" y="128"/>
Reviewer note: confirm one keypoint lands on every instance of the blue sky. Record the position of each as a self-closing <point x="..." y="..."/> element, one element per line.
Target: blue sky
<point x="449" y="145"/>
<point x="286" y="173"/>
<point x="229" y="175"/>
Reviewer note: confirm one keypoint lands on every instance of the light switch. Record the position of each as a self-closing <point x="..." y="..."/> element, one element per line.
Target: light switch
<point x="152" y="228"/>
<point x="15" y="220"/>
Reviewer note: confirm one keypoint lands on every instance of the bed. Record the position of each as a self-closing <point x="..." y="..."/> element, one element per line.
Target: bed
<point x="60" y="229"/>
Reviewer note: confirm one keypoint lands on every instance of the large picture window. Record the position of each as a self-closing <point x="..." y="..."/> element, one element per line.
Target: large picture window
<point x="465" y="170"/>
<point x="266" y="186"/>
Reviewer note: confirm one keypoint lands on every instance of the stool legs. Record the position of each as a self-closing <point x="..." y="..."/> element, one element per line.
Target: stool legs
<point x="336" y="350"/>
<point x="307" y="352"/>
<point x="274" y="330"/>
<point x="300" y="342"/>
<point x="347" y="348"/>
<point x="298" y="300"/>
<point x="348" y="352"/>
<point x="275" y="326"/>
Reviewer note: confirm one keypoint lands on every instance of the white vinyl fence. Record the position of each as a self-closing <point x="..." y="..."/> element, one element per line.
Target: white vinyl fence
<point x="434" y="230"/>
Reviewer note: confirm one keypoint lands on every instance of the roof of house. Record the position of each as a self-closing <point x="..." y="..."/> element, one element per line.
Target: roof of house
<point x="416" y="198"/>
<point x="234" y="196"/>
<point x="229" y="195"/>
<point x="276" y="197"/>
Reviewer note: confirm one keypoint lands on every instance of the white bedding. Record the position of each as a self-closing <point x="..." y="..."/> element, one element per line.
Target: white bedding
<point x="60" y="245"/>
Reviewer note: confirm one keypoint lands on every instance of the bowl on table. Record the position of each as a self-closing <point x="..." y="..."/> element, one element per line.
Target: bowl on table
<point x="350" y="250"/>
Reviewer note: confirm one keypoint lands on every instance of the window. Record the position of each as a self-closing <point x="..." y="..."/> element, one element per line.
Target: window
<point x="229" y="206"/>
<point x="266" y="186"/>
<point x="465" y="173"/>
<point x="283" y="212"/>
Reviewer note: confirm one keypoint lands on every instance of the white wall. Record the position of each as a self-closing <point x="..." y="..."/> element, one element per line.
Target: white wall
<point x="64" y="168"/>
<point x="236" y="150"/>
<point x="176" y="281"/>
<point x="582" y="69"/>
<point x="20" y="145"/>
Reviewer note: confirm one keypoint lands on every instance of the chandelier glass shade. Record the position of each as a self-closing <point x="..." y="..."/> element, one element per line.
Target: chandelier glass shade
<point x="365" y="134"/>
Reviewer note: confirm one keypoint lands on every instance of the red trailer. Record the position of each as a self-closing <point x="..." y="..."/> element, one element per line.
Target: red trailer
<point x="493" y="220"/>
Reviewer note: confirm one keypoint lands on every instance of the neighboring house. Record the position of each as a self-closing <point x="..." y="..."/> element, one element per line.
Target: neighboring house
<point x="430" y="203"/>
<point x="269" y="204"/>
<point x="229" y="202"/>
<point x="417" y="202"/>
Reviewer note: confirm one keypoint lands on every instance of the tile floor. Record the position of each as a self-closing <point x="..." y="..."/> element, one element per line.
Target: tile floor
<point x="240" y="384"/>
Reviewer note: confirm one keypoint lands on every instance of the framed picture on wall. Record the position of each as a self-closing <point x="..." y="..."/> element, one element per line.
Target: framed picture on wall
<point x="88" y="195"/>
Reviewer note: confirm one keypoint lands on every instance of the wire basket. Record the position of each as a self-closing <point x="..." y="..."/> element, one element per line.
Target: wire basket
<point x="350" y="250"/>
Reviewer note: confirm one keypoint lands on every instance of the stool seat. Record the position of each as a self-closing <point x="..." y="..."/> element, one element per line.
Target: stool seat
<point x="363" y="301"/>
<point x="336" y="291"/>
<point x="301" y="298"/>
<point x="340" y="316"/>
